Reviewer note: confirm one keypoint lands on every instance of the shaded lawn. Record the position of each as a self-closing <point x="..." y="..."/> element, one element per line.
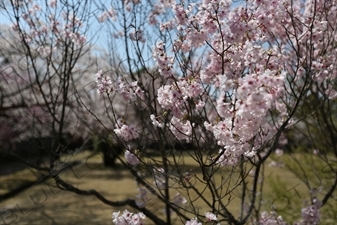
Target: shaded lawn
<point x="45" y="204"/>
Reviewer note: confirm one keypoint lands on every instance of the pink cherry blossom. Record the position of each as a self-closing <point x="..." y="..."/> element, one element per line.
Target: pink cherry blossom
<point x="159" y="178"/>
<point x="193" y="222"/>
<point x="131" y="158"/>
<point x="271" y="219"/>
<point x="164" y="62"/>
<point x="310" y="214"/>
<point x="155" y="122"/>
<point x="128" y="218"/>
<point x="179" y="200"/>
<point x="181" y="130"/>
<point x="126" y="132"/>
<point x="104" y="83"/>
<point x="210" y="216"/>
<point x="142" y="197"/>
<point x="52" y="3"/>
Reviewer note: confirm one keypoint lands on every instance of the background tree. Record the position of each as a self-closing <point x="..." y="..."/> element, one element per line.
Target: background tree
<point x="44" y="59"/>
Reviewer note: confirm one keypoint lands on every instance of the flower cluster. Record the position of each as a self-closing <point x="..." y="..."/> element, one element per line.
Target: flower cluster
<point x="244" y="112"/>
<point x="210" y="216"/>
<point x="137" y="35"/>
<point x="271" y="219"/>
<point x="181" y="130"/>
<point x="127" y="132"/>
<point x="111" y="13"/>
<point x="52" y="3"/>
<point x="129" y="91"/>
<point x="310" y="214"/>
<point x="131" y="158"/>
<point x="155" y="122"/>
<point x="142" y="197"/>
<point x="193" y="221"/>
<point x="104" y="83"/>
<point x="170" y="98"/>
<point x="159" y="178"/>
<point x="179" y="200"/>
<point x="45" y="51"/>
<point x="164" y="62"/>
<point x="37" y="30"/>
<point x="175" y="97"/>
<point x="128" y="218"/>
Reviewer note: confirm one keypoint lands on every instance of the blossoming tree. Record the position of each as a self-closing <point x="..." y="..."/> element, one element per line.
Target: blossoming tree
<point x="235" y="79"/>
<point x="230" y="80"/>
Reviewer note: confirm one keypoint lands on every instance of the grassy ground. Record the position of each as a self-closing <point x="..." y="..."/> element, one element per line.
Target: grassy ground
<point x="45" y="204"/>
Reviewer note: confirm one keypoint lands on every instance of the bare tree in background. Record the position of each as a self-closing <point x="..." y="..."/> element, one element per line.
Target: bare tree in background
<point x="45" y="55"/>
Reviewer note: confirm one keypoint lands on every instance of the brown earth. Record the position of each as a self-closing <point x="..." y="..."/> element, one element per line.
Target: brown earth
<point x="45" y="204"/>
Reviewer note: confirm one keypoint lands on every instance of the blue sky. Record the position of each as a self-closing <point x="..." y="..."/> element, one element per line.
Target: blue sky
<point x="101" y="37"/>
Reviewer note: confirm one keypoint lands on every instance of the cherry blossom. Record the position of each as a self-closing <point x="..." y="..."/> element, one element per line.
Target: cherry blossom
<point x="142" y="197"/>
<point x="129" y="90"/>
<point x="210" y="216"/>
<point x="127" y="133"/>
<point x="137" y="35"/>
<point x="155" y="122"/>
<point x="179" y="200"/>
<point x="164" y="62"/>
<point x="310" y="214"/>
<point x="52" y="3"/>
<point x="181" y="130"/>
<point x="104" y="83"/>
<point x="159" y="178"/>
<point x="131" y="158"/>
<point x="271" y="219"/>
<point x="128" y="218"/>
<point x="111" y="13"/>
<point x="193" y="222"/>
